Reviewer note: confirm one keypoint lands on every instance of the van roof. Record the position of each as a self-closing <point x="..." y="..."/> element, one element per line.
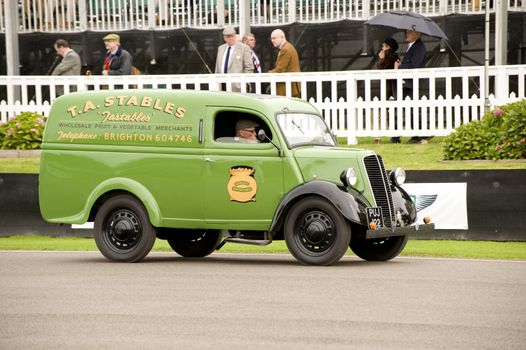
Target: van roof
<point x="263" y="103"/>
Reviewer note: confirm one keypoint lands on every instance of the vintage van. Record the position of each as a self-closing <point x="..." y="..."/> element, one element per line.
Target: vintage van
<point x="167" y="164"/>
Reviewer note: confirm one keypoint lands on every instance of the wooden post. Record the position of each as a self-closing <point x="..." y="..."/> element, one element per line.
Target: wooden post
<point x="220" y="13"/>
<point x="244" y="17"/>
<point x="501" y="32"/>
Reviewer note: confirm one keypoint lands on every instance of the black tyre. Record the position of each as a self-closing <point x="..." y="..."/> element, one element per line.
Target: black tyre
<point x="381" y="249"/>
<point x="316" y="233"/>
<point x="194" y="243"/>
<point x="123" y="231"/>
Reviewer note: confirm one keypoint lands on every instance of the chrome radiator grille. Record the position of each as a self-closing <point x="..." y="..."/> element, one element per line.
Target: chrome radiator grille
<point x="380" y="186"/>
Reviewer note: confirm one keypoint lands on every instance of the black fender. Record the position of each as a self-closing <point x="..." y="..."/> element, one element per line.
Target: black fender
<point x="350" y="203"/>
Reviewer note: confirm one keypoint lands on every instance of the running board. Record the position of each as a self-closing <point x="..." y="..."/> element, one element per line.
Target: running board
<point x="260" y="242"/>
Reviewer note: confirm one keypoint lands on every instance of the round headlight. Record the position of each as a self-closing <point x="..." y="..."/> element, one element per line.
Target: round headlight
<point x="348" y="177"/>
<point x="397" y="176"/>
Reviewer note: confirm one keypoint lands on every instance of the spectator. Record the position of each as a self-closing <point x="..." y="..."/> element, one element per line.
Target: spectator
<point x="117" y="61"/>
<point x="69" y="65"/>
<point x="387" y="58"/>
<point x="415" y="57"/>
<point x="250" y="40"/>
<point x="287" y="61"/>
<point x="233" y="57"/>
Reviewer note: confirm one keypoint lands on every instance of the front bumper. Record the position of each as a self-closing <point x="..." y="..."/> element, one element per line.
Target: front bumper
<point x="398" y="231"/>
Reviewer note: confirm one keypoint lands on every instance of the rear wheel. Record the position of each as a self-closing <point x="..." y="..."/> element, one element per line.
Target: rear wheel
<point x="123" y="231"/>
<point x="316" y="233"/>
<point x="380" y="249"/>
<point x="194" y="243"/>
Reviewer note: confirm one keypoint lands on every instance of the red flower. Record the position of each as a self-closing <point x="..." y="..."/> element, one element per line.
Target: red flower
<point x="522" y="140"/>
<point x="498" y="148"/>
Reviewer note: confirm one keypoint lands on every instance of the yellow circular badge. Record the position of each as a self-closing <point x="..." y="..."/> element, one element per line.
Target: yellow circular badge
<point x="242" y="187"/>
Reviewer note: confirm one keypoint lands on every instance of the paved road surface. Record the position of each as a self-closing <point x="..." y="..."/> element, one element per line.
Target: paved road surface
<point x="78" y="300"/>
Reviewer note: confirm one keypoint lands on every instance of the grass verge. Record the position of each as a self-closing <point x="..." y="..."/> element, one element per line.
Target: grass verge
<point x="426" y="248"/>
<point x="428" y="157"/>
<point x="19" y="165"/>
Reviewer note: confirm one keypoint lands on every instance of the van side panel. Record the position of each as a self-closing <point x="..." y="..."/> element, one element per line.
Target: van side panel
<point x="145" y="142"/>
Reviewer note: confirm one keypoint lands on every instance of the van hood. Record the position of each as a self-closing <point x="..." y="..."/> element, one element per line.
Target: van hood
<point x="327" y="163"/>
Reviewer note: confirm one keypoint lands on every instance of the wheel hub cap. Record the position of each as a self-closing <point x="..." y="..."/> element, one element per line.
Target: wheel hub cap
<point x="123" y="229"/>
<point x="317" y="232"/>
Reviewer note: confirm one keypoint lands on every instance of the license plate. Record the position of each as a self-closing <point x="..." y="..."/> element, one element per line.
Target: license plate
<point x="375" y="215"/>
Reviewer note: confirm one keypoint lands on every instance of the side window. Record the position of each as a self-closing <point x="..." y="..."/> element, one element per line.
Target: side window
<point x="239" y="127"/>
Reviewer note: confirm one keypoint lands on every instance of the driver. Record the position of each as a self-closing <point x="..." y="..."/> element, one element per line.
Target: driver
<point x="246" y="131"/>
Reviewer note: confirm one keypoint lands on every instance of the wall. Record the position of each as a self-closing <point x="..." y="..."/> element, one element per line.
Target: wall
<point x="496" y="202"/>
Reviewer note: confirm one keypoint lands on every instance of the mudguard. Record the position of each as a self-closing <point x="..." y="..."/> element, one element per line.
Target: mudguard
<point x="348" y="202"/>
<point x="127" y="185"/>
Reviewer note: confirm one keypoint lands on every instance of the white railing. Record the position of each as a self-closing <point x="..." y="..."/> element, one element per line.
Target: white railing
<point x="109" y="15"/>
<point x="354" y="103"/>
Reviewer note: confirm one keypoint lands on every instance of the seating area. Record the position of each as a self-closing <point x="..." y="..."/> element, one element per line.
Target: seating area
<point x="115" y="15"/>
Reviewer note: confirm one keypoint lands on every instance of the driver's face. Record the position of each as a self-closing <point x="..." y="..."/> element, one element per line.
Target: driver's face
<point x="248" y="133"/>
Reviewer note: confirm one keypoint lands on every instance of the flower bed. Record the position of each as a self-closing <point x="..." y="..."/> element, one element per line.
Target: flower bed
<point x="500" y="134"/>
<point x="23" y="132"/>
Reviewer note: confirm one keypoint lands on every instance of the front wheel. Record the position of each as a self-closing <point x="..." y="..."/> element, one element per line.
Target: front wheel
<point x="316" y="233"/>
<point x="194" y="243"/>
<point x="380" y="249"/>
<point x="123" y="231"/>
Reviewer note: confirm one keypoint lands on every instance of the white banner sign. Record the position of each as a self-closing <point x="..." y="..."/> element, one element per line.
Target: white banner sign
<point x="445" y="203"/>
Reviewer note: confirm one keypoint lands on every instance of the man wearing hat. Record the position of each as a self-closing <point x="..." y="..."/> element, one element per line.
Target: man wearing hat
<point x="233" y="57"/>
<point x="117" y="61"/>
<point x="246" y="131"/>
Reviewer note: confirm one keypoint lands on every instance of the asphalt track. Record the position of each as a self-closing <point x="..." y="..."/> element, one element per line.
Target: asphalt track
<point x="79" y="300"/>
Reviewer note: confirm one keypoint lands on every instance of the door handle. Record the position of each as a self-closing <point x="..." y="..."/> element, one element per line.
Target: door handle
<point x="210" y="160"/>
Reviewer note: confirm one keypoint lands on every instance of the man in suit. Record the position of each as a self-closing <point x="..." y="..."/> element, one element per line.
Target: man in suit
<point x="69" y="65"/>
<point x="250" y="40"/>
<point x="415" y="57"/>
<point x="287" y="61"/>
<point x="233" y="57"/>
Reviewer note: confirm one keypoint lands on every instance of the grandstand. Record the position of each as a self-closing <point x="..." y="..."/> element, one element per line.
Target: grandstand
<point x="330" y="35"/>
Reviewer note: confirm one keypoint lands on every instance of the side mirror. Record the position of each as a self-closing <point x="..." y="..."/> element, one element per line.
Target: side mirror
<point x="262" y="135"/>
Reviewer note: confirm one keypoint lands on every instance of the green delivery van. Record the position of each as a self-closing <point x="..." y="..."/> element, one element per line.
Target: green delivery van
<point x="167" y="164"/>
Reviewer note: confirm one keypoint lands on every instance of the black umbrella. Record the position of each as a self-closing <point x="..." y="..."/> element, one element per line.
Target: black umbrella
<point x="408" y="20"/>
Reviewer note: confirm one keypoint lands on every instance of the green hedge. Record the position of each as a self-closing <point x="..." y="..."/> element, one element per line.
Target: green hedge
<point x="500" y="134"/>
<point x="22" y="132"/>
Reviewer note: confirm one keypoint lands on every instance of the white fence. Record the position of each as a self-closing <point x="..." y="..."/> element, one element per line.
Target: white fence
<point x="109" y="15"/>
<point x="354" y="103"/>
